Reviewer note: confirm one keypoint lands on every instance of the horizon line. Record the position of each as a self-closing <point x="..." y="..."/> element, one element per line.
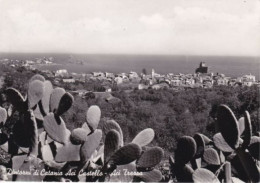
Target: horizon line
<point x="141" y="54"/>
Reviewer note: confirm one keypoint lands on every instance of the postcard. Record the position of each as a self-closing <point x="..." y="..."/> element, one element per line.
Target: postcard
<point x="129" y="91"/>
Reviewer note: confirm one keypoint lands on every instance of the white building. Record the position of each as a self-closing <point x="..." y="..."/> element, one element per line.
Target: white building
<point x="68" y="80"/>
<point x="133" y="74"/>
<point x="248" y="78"/>
<point x="119" y="80"/>
<point x="62" y="73"/>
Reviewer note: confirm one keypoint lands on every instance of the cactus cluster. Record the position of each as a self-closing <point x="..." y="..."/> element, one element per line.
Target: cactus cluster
<point x="232" y="155"/>
<point x="35" y="134"/>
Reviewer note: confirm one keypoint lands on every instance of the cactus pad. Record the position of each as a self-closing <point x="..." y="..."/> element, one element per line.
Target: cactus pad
<point x="182" y="173"/>
<point x="55" y="129"/>
<point x="86" y="128"/>
<point x="200" y="145"/>
<point x="25" y="130"/>
<point x="211" y="156"/>
<point x="186" y="149"/>
<point x="68" y="152"/>
<point x="228" y="126"/>
<point x="144" y="137"/>
<point x="65" y="103"/>
<point x="3" y="138"/>
<point x="48" y="88"/>
<point x="44" y="138"/>
<point x="126" y="154"/>
<point x="151" y="176"/>
<point x="55" y="97"/>
<point x="236" y="180"/>
<point x="111" y="144"/>
<point x="247" y="131"/>
<point x="93" y="116"/>
<point x="254" y="150"/>
<point x="110" y="125"/>
<point x="46" y="153"/>
<point x="17" y="161"/>
<point x="3" y="116"/>
<point x="241" y="125"/>
<point x="150" y="158"/>
<point x="204" y="175"/>
<point x="88" y="148"/>
<point x="254" y="139"/>
<point x="34" y="164"/>
<point x="78" y="136"/>
<point x="249" y="165"/>
<point x="35" y="92"/>
<point x="221" y="144"/>
<point x="37" y="77"/>
<point x="37" y="113"/>
<point x="16" y="99"/>
<point x="206" y="139"/>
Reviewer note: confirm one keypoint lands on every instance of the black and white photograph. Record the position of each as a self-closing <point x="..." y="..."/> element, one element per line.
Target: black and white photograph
<point x="130" y="91"/>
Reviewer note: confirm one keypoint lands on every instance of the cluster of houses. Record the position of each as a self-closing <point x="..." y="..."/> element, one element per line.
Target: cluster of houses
<point x="156" y="81"/>
<point x="201" y="77"/>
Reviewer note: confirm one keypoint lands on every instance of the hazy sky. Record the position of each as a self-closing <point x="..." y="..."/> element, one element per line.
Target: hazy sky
<point x="206" y="27"/>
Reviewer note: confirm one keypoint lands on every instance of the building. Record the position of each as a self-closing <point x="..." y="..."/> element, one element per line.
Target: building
<point x="119" y="80"/>
<point x="109" y="75"/>
<point x="133" y="75"/>
<point x="69" y="80"/>
<point x="202" y="68"/>
<point x="160" y="85"/>
<point x="98" y="74"/>
<point x="62" y="73"/>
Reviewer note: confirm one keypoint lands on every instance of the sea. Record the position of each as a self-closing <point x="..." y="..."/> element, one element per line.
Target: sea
<point x="232" y="66"/>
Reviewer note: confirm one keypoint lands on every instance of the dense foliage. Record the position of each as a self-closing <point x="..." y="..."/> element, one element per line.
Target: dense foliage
<point x="170" y="113"/>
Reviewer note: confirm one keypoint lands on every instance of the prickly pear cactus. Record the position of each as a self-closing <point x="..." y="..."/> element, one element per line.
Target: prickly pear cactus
<point x="25" y="130"/>
<point x="228" y="126"/>
<point x="3" y="116"/>
<point x="45" y="102"/>
<point x="89" y="146"/>
<point x="204" y="175"/>
<point x="200" y="145"/>
<point x="186" y="149"/>
<point x="126" y="154"/>
<point x="221" y="144"/>
<point x="211" y="156"/>
<point x="111" y="144"/>
<point x="247" y="130"/>
<point x="35" y="92"/>
<point x="113" y="125"/>
<point x="16" y="99"/>
<point x="254" y="147"/>
<point x="65" y="103"/>
<point x="56" y="128"/>
<point x="68" y="152"/>
<point x="144" y="137"/>
<point x="55" y="97"/>
<point x="37" y="77"/>
<point x="93" y="117"/>
<point x="78" y="136"/>
<point x="150" y="158"/>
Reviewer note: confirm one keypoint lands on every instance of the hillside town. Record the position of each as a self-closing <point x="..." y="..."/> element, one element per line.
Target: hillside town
<point x="200" y="78"/>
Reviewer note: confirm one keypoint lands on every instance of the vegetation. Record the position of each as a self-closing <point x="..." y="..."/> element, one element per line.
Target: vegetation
<point x="50" y="129"/>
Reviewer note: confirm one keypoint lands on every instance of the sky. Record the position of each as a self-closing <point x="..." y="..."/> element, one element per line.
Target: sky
<point x="172" y="27"/>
